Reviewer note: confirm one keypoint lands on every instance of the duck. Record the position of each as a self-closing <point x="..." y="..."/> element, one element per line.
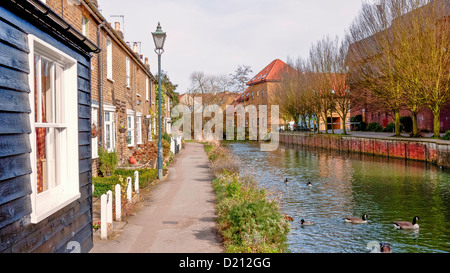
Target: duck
<point x="286" y="181"/>
<point x="288" y="218"/>
<point x="376" y="247"/>
<point x="309" y="184"/>
<point x="306" y="223"/>
<point x="385" y="248"/>
<point x="407" y="225"/>
<point x="355" y="220"/>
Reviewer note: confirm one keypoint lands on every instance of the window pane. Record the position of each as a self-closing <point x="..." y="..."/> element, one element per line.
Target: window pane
<point x="108" y="136"/>
<point x="47" y="92"/>
<point x="107" y="117"/>
<point x="47" y="158"/>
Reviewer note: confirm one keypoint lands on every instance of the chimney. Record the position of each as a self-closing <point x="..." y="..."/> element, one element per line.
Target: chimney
<point x="147" y="65"/>
<point x="128" y="44"/>
<point x="142" y="57"/>
<point x="135" y="47"/>
<point x="117" y="28"/>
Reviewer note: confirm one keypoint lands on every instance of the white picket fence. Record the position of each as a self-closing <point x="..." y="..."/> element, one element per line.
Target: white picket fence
<point x="106" y="215"/>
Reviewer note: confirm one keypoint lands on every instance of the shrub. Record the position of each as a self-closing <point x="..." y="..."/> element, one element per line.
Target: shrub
<point x="104" y="184"/>
<point x="446" y="136"/>
<point x="374" y="127"/>
<point x="248" y="221"/>
<point x="107" y="161"/>
<point x="389" y="128"/>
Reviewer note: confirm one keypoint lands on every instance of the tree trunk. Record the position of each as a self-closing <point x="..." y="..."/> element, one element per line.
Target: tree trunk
<point x="437" y="124"/>
<point x="397" y="123"/>
<point x="415" y="130"/>
<point x="344" y="123"/>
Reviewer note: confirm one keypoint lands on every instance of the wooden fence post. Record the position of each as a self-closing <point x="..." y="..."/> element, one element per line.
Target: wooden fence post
<point x="129" y="182"/>
<point x="118" y="203"/>
<point x="104" y="225"/>
<point x="109" y="213"/>
<point x="136" y="182"/>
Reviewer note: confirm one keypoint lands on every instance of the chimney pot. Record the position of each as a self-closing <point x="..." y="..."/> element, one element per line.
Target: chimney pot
<point x="146" y="60"/>
<point x="135" y="47"/>
<point x="117" y="26"/>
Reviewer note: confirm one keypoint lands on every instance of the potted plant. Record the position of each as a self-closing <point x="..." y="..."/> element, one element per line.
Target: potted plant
<point x="122" y="129"/>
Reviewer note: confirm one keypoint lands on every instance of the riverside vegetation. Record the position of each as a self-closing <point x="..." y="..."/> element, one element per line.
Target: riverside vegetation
<point x="248" y="220"/>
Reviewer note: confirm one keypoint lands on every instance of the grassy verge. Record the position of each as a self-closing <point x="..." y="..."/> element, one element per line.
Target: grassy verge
<point x="248" y="221"/>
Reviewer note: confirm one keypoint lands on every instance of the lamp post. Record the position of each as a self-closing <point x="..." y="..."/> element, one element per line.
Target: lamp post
<point x="159" y="37"/>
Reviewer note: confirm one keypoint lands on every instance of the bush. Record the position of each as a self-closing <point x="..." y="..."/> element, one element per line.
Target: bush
<point x="390" y="128"/>
<point x="107" y="161"/>
<point x="104" y="184"/>
<point x="446" y="136"/>
<point x="374" y="127"/>
<point x="406" y="124"/>
<point x="248" y="221"/>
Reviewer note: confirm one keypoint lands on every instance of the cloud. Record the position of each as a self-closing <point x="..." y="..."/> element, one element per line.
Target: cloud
<point x="215" y="36"/>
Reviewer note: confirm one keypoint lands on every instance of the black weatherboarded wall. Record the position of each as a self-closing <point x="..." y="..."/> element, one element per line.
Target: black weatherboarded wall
<point x="74" y="222"/>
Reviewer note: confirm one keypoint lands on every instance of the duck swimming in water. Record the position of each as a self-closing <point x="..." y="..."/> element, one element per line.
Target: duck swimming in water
<point x="306" y="223"/>
<point x="309" y="184"/>
<point x="355" y="220"/>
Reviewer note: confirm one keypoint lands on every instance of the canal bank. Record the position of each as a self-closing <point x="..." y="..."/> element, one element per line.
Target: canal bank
<point x="432" y="151"/>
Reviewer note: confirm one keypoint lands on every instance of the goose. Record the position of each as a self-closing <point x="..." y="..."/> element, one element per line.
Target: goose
<point x="355" y="220"/>
<point x="306" y="223"/>
<point x="379" y="247"/>
<point x="407" y="225"/>
<point x="309" y="184"/>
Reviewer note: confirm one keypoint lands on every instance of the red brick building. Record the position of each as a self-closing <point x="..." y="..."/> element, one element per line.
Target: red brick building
<point x="122" y="86"/>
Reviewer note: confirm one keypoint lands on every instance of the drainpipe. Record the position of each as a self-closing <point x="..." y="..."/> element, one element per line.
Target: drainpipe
<point x="100" y="103"/>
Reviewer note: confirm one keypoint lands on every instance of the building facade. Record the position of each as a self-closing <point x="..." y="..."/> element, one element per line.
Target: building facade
<point x="45" y="149"/>
<point x="123" y="88"/>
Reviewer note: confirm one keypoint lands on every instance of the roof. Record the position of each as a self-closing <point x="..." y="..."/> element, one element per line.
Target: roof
<point x="271" y="73"/>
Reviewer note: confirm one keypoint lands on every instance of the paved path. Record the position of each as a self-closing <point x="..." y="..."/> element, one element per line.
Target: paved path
<point x="179" y="215"/>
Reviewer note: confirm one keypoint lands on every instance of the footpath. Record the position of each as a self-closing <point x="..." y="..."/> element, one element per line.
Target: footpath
<point x="177" y="216"/>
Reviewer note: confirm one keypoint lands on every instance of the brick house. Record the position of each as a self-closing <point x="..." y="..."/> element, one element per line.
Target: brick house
<point x="372" y="110"/>
<point x="123" y="88"/>
<point x="260" y="90"/>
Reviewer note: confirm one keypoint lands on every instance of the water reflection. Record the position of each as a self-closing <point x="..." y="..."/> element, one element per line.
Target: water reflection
<point x="348" y="184"/>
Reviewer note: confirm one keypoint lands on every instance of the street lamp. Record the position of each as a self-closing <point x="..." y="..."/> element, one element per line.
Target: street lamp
<point x="159" y="37"/>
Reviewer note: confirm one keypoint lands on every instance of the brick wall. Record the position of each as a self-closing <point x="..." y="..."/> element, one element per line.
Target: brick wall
<point x="113" y="91"/>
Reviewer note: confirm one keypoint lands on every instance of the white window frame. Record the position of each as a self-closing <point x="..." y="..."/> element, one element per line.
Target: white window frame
<point x="128" y="70"/>
<point x="94" y="121"/>
<point x="109" y="57"/>
<point x="138" y="128"/>
<point x="130" y="127"/>
<point x="147" y="89"/>
<point x="111" y="110"/>
<point x="85" y="26"/>
<point x="67" y="189"/>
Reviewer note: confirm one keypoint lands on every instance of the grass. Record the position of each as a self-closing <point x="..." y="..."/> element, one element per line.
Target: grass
<point x="248" y="221"/>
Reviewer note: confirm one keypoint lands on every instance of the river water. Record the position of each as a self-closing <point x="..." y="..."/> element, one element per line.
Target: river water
<point x="348" y="184"/>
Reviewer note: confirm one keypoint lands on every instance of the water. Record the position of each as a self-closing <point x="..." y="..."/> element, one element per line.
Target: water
<point x="345" y="185"/>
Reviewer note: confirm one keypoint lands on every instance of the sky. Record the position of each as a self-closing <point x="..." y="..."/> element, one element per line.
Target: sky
<point x="216" y="36"/>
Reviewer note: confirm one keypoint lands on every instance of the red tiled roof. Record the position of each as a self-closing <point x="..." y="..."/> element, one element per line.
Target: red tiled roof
<point x="273" y="72"/>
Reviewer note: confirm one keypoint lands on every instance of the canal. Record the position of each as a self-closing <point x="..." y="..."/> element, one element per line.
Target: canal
<point x="348" y="184"/>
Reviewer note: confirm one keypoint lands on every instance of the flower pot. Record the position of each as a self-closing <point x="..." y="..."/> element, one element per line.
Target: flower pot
<point x="122" y="130"/>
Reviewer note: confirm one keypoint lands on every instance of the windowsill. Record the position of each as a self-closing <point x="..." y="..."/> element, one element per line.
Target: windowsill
<point x="51" y="205"/>
<point x="130" y="146"/>
<point x="111" y="80"/>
